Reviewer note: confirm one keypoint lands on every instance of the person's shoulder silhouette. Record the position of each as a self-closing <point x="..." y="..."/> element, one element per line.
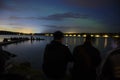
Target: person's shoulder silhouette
<point x="56" y="57"/>
<point x="110" y="67"/>
<point x="86" y="60"/>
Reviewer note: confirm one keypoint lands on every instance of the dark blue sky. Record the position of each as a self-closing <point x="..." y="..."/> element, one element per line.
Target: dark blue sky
<point x="65" y="15"/>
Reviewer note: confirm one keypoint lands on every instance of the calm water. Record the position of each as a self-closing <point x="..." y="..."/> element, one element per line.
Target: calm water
<point x="32" y="51"/>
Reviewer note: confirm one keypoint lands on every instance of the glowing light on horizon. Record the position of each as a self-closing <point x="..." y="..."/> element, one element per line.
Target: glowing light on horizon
<point x="97" y="36"/>
<point x="46" y="34"/>
<point x="84" y="35"/>
<point x="105" y="36"/>
<point x="70" y="35"/>
<point x="117" y="36"/>
<point x="74" y="35"/>
<point x="70" y="32"/>
<point x="79" y="35"/>
<point x="51" y="34"/>
<point x="66" y="35"/>
<point x="91" y="35"/>
<point x="18" y="29"/>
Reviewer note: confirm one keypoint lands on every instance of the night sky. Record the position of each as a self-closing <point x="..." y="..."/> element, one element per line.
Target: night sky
<point x="65" y="15"/>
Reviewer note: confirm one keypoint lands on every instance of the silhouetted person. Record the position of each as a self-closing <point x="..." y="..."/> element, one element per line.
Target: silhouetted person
<point x="56" y="57"/>
<point x="86" y="60"/>
<point x="110" y="67"/>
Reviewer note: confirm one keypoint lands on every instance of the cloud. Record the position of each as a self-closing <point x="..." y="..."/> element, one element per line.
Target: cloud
<point x="19" y="28"/>
<point x="91" y="3"/>
<point x="18" y="18"/>
<point x="69" y="28"/>
<point x="57" y="26"/>
<point x="14" y="24"/>
<point x="55" y="17"/>
<point x="52" y="26"/>
<point x="64" y="16"/>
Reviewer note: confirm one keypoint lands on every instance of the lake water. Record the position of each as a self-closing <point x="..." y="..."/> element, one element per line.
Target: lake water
<point x="32" y="51"/>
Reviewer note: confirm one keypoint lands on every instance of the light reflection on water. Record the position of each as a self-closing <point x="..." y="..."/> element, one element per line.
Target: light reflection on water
<point x="32" y="51"/>
<point x="105" y="42"/>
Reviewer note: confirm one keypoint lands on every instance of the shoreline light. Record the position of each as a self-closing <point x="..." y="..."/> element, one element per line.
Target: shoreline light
<point x="70" y="35"/>
<point x="105" y="36"/>
<point x="66" y="35"/>
<point x="91" y="35"/>
<point x="74" y="35"/>
<point x="84" y="35"/>
<point x="116" y="36"/>
<point x="97" y="36"/>
<point x="46" y="34"/>
<point x="51" y="34"/>
<point x="79" y="35"/>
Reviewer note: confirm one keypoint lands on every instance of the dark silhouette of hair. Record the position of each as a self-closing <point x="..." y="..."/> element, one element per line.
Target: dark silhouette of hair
<point x="88" y="37"/>
<point x="58" y="35"/>
<point x="86" y="60"/>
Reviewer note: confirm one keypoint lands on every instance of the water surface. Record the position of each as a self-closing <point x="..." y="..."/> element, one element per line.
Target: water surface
<point x="32" y="51"/>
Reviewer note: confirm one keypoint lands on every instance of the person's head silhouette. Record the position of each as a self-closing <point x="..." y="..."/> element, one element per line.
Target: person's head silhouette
<point x="89" y="39"/>
<point x="58" y="36"/>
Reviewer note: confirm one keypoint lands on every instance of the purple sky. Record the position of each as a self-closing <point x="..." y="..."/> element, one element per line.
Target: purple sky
<point x="65" y="15"/>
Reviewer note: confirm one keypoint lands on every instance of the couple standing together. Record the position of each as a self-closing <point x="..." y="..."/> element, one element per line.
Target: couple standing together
<point x="85" y="59"/>
<point x="87" y="63"/>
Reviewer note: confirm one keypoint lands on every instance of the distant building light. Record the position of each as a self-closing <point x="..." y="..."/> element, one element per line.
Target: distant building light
<point x="84" y="35"/>
<point x="97" y="35"/>
<point x="66" y="35"/>
<point x="105" y="36"/>
<point x="70" y="35"/>
<point x="117" y="36"/>
<point x="91" y="35"/>
<point x="79" y="35"/>
<point x="46" y="34"/>
<point x="51" y="34"/>
<point x="74" y="35"/>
